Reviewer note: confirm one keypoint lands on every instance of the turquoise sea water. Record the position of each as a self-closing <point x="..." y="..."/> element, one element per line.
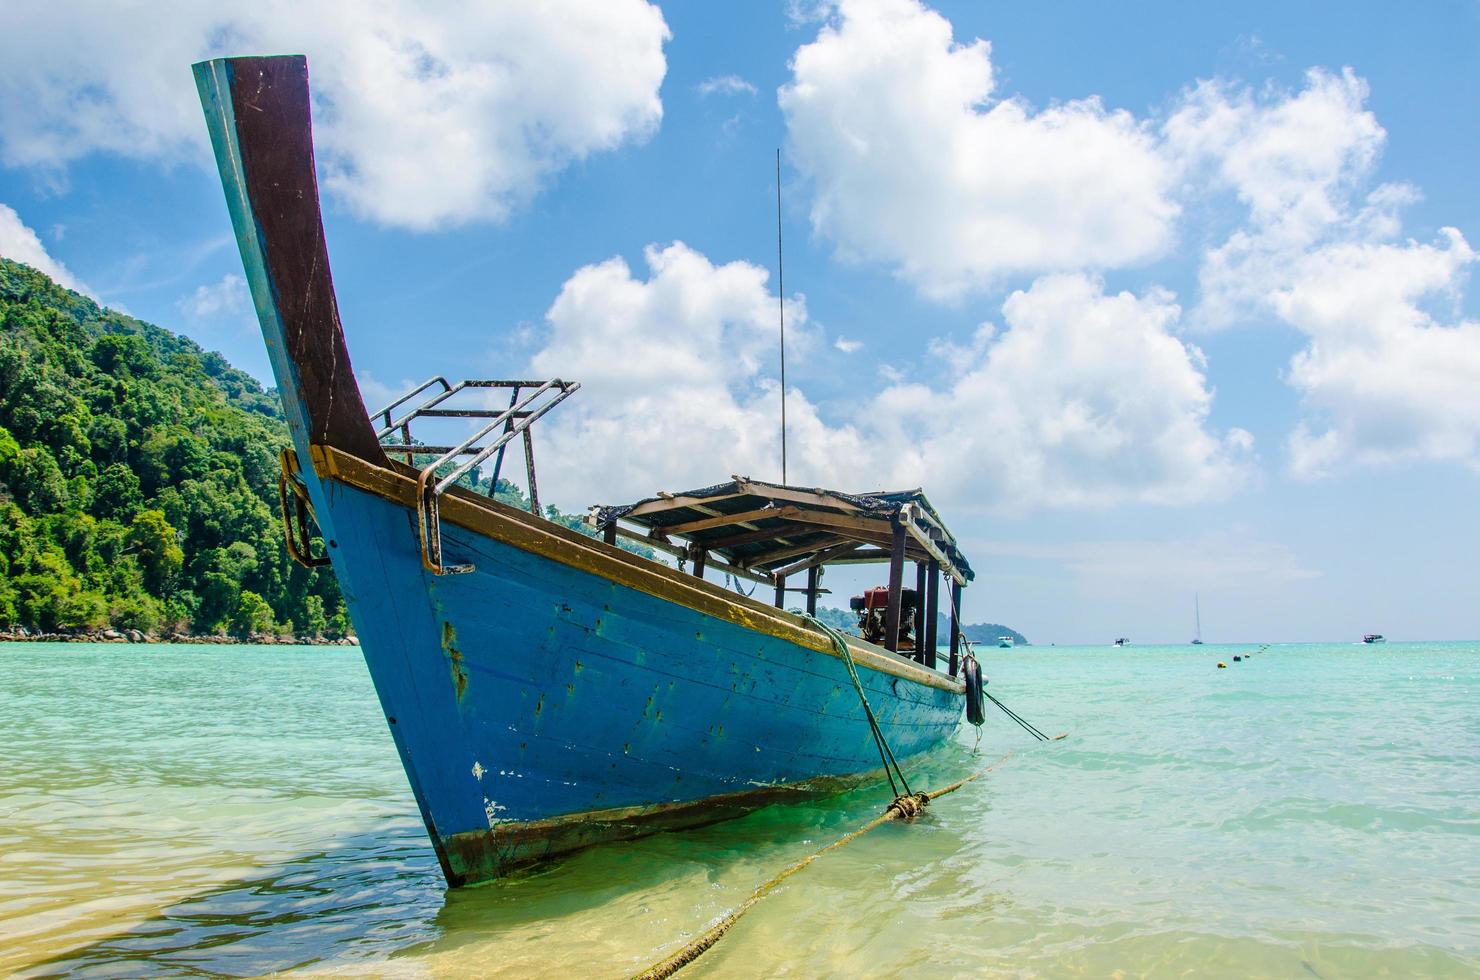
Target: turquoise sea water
<point x="1314" y="811"/>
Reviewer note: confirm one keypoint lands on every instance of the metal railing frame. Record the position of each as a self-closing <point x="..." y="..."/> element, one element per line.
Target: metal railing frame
<point x="523" y="411"/>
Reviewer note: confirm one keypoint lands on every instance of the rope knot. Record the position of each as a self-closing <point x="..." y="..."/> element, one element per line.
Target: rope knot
<point x="908" y="807"/>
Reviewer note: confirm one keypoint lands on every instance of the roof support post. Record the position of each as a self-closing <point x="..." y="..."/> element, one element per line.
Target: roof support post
<point x="609" y="533"/>
<point x="781" y="592"/>
<point x="700" y="556"/>
<point x="920" y="611"/>
<point x="955" y="626"/>
<point x="932" y="613"/>
<point x="896" y="587"/>
<point x="814" y="576"/>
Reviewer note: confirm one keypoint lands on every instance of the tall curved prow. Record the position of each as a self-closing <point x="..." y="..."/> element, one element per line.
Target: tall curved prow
<point x="257" y="110"/>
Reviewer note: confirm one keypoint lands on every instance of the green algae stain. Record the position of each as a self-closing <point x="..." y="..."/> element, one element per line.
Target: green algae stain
<point x="454" y="660"/>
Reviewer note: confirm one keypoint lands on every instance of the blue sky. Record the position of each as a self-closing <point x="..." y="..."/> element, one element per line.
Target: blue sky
<point x="1153" y="300"/>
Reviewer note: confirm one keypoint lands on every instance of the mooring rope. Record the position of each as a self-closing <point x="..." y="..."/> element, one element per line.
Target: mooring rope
<point x="1027" y="726"/>
<point x="903" y="808"/>
<point x="886" y="755"/>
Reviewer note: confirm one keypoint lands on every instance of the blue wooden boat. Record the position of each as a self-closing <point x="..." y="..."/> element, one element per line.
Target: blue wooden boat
<point x="546" y="688"/>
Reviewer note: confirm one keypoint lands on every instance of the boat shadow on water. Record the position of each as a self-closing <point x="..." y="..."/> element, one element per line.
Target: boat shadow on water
<point x="375" y="901"/>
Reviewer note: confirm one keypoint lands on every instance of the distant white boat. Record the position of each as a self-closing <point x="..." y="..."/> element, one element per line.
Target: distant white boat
<point x="1004" y="641"/>
<point x="1122" y="641"/>
<point x="1197" y="614"/>
<point x="1374" y="638"/>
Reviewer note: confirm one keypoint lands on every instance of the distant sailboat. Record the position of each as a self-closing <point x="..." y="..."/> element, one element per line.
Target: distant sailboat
<point x="1197" y="613"/>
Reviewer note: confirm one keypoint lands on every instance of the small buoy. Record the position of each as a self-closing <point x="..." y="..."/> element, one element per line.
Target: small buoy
<point x="1221" y="665"/>
<point x="1237" y="659"/>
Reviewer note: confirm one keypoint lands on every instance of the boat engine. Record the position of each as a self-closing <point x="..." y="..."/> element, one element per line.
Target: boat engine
<point x="873" y="613"/>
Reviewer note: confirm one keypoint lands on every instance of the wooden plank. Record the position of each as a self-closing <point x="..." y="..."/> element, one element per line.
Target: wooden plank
<point x="722" y="519"/>
<point x="823" y="557"/>
<point x="677" y="551"/>
<point x="955" y="626"/>
<point x="920" y="574"/>
<point x="868" y="525"/>
<point x="672" y="502"/>
<point x="749" y="537"/>
<point x="813" y="498"/>
<point x="932" y="613"/>
<point x="771" y="557"/>
<point x="915" y="553"/>
<point x="896" y="589"/>
<point x="780" y="591"/>
<point x="929" y="546"/>
<point x="862" y="557"/>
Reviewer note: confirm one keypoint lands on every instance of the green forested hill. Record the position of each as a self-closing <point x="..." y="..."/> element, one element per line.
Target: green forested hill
<point x="138" y="479"/>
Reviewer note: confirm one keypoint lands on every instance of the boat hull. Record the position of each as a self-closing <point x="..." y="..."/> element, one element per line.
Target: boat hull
<point x="538" y="707"/>
<point x="564" y="692"/>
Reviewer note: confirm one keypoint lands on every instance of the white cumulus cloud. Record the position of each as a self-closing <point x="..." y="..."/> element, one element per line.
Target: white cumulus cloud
<point x="677" y="388"/>
<point x="1084" y="400"/>
<point x="229" y="297"/>
<point x="1384" y="380"/>
<point x="918" y="162"/>
<point x="1087" y="399"/>
<point x="725" y="85"/>
<point x="426" y="116"/>
<point x="1296" y="162"/>
<point x="20" y="244"/>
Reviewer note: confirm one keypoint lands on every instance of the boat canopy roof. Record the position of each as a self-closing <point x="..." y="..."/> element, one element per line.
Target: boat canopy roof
<point x="774" y="529"/>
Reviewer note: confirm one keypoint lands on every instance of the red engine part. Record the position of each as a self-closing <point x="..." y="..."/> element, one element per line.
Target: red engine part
<point x="876" y="598"/>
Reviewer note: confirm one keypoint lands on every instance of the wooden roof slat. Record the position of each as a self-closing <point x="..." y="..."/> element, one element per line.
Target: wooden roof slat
<point x="920" y="535"/>
<point x="674" y="502"/>
<point x="750" y="537"/>
<point x="820" y="558"/>
<point x="793" y="494"/>
<point x="912" y="553"/>
<point x="721" y="519"/>
<point x="862" y="558"/>
<point x="780" y="554"/>
<point x="714" y="565"/>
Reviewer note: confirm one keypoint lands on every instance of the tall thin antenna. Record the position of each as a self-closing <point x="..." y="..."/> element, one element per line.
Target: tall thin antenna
<point x="781" y="311"/>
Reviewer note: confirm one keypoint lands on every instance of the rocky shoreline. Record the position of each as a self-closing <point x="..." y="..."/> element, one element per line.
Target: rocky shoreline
<point x="22" y="635"/>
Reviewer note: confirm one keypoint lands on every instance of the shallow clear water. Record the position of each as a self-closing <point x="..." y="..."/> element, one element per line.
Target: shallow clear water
<point x="1314" y="811"/>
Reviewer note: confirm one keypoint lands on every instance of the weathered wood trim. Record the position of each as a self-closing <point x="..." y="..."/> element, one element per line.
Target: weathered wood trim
<point x="955" y="627"/>
<point x="765" y="534"/>
<point x="862" y="557"/>
<point x="671" y="502"/>
<point x="720" y="520"/>
<point x="822" y="557"/>
<point x="526" y="532"/>
<point x="929" y="546"/>
<point x="748" y="488"/>
<point x="932" y="615"/>
<point x="896" y="589"/>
